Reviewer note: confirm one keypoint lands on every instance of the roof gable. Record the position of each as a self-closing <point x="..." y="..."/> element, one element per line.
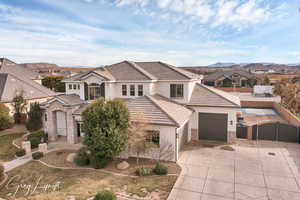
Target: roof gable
<point x="208" y="96"/>
<point x="128" y="71"/>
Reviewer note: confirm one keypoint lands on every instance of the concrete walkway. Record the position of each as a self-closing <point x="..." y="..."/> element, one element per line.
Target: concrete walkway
<point x="16" y="163"/>
<point x="263" y="171"/>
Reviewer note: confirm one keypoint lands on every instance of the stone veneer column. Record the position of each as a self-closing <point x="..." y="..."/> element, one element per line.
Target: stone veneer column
<point x="51" y="125"/>
<point x="231" y="136"/>
<point x="71" y="127"/>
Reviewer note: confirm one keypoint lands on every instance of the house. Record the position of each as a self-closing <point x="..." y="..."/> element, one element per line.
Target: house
<point x="233" y="78"/>
<point x="175" y="103"/>
<point x="15" y="79"/>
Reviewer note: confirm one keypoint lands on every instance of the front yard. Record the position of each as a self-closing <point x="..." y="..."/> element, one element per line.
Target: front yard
<point x="7" y="149"/>
<point x="59" y="184"/>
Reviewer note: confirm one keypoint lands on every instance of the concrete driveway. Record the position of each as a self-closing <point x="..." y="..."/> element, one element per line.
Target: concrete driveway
<point x="262" y="171"/>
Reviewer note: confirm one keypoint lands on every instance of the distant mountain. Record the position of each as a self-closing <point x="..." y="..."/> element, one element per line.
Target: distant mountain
<point x="219" y="64"/>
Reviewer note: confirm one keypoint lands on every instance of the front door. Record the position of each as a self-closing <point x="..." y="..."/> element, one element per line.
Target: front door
<point x="61" y="123"/>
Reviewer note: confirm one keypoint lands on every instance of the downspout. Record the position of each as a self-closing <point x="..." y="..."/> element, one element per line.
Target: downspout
<point x="176" y="144"/>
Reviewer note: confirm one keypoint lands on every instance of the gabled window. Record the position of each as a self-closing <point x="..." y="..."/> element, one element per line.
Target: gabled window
<point x="176" y="90"/>
<point x="124" y="90"/>
<point x="140" y="90"/>
<point x="132" y="90"/>
<point x="70" y="86"/>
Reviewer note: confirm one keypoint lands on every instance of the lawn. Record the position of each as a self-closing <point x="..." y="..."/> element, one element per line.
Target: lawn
<point x="7" y="149"/>
<point x="80" y="183"/>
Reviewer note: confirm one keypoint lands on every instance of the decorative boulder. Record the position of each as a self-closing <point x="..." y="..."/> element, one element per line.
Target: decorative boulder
<point x="123" y="165"/>
<point x="71" y="157"/>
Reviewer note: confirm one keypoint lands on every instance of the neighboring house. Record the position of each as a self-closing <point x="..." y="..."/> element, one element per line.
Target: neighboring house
<point x="234" y="78"/>
<point x="263" y="71"/>
<point x="175" y="103"/>
<point x="15" y="79"/>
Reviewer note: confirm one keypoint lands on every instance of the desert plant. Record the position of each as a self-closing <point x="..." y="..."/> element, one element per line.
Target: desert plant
<point x="35" y="114"/>
<point x="105" y="124"/>
<point x="105" y="195"/>
<point x="34" y="142"/>
<point x="160" y="169"/>
<point x="20" y="152"/>
<point x="82" y="158"/>
<point x="37" y="155"/>
<point x="5" y="119"/>
<point x="143" y="171"/>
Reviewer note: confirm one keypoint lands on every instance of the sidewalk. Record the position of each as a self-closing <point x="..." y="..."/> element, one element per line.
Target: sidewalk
<point x="16" y="163"/>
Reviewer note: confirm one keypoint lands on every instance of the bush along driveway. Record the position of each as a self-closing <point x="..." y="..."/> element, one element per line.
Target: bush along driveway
<point x="263" y="170"/>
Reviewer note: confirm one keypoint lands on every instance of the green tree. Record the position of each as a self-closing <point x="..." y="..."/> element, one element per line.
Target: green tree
<point x="106" y="126"/>
<point x="54" y="83"/>
<point x="19" y="105"/>
<point x="35" y="114"/>
<point x="5" y="119"/>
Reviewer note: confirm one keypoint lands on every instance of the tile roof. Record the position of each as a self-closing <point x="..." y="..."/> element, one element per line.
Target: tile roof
<point x="21" y="79"/>
<point x="203" y="95"/>
<point x="155" y="109"/>
<point x="139" y="71"/>
<point x="3" y="78"/>
<point x="217" y="75"/>
<point x="66" y="99"/>
<point x="30" y="89"/>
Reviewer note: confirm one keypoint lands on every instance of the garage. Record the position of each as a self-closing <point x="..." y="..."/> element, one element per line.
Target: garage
<point x="213" y="126"/>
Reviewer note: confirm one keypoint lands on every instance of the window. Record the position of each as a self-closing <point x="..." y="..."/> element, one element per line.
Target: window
<point x="176" y="90"/>
<point x="74" y="86"/>
<point x="124" y="90"/>
<point x="78" y="86"/>
<point x="70" y="86"/>
<point x="46" y="117"/>
<point x="95" y="91"/>
<point x="140" y="90"/>
<point x="132" y="90"/>
<point x="153" y="137"/>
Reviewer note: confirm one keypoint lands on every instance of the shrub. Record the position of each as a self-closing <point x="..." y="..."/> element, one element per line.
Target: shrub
<point x="20" y="152"/>
<point x="106" y="126"/>
<point x="34" y="143"/>
<point x="35" y="114"/>
<point x="19" y="105"/>
<point x="98" y="162"/>
<point x="37" y="138"/>
<point x="1" y="172"/>
<point x="82" y="158"/>
<point x="143" y="171"/>
<point x="6" y="120"/>
<point x="37" y="155"/>
<point x="105" y="195"/>
<point x="160" y="169"/>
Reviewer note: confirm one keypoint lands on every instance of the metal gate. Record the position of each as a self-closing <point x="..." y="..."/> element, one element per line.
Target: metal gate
<point x="241" y="131"/>
<point x="276" y="131"/>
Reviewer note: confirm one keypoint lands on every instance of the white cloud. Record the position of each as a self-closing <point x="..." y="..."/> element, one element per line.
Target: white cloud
<point x="233" y="13"/>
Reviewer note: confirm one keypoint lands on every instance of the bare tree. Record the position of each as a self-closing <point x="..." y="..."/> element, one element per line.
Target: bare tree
<point x="138" y="134"/>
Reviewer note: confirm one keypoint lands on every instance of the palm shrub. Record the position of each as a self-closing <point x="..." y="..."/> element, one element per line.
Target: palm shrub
<point x="35" y="114"/>
<point x="19" y="105"/>
<point x="105" y="195"/>
<point x="106" y="126"/>
<point x="6" y="120"/>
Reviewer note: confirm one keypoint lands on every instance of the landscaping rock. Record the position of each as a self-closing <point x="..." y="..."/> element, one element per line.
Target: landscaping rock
<point x="71" y="198"/>
<point x="123" y="165"/>
<point x="71" y="157"/>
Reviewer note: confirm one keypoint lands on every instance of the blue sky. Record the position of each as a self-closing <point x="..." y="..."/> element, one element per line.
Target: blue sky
<point x="180" y="32"/>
